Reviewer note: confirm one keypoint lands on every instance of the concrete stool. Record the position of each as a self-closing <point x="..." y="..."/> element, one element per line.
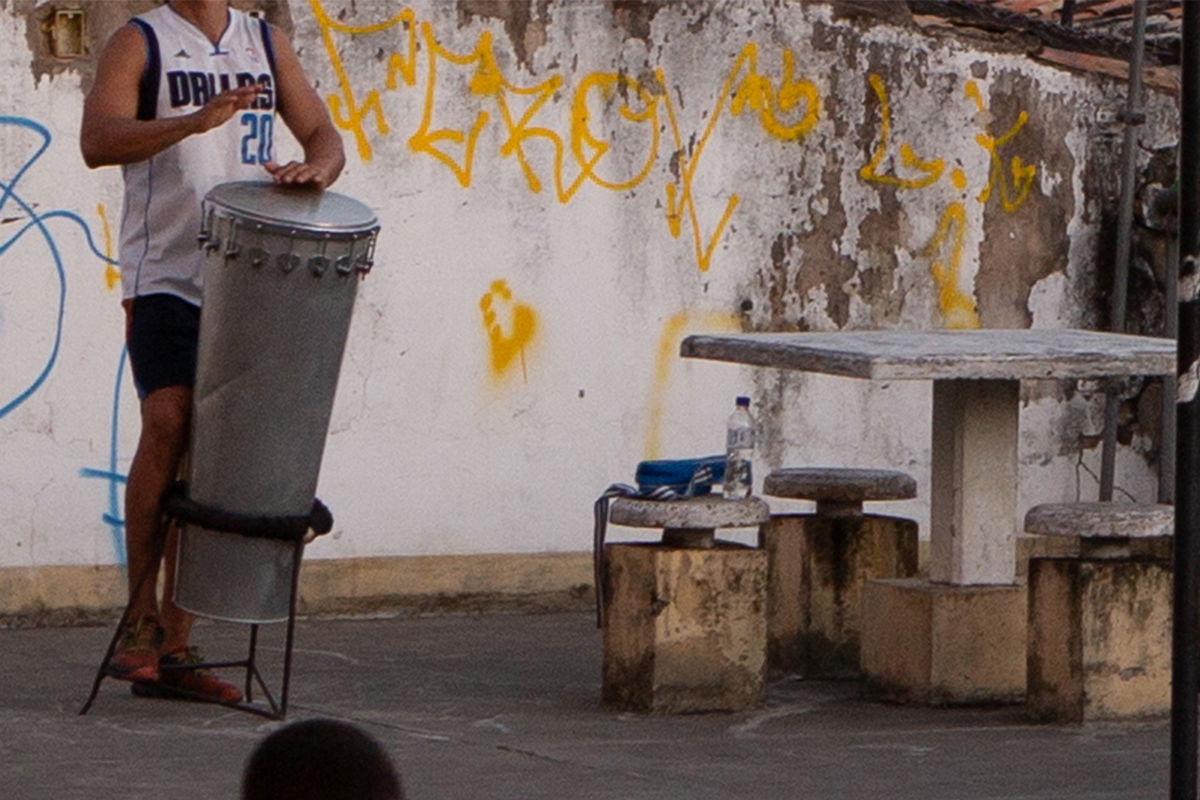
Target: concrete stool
<point x="1099" y="643"/>
<point x="818" y="563"/>
<point x="685" y="618"/>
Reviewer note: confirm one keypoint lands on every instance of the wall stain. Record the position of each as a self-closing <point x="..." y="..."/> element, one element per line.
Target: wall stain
<point x="635" y="17"/>
<point x="1019" y="250"/>
<point x="880" y="262"/>
<point x="899" y="167"/>
<point x="522" y="19"/>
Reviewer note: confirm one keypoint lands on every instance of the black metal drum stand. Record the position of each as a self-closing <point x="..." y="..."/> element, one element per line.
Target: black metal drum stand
<point x="296" y="529"/>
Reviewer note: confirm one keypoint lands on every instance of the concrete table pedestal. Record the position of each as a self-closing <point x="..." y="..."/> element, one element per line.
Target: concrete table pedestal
<point x="943" y="644"/>
<point x="1100" y="614"/>
<point x="685" y="618"/>
<point x="958" y="637"/>
<point x="818" y="564"/>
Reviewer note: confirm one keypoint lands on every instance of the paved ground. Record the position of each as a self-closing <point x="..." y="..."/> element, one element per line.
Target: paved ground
<point x="506" y="707"/>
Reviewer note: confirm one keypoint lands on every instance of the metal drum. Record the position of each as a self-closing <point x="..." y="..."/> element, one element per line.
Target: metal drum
<point x="281" y="271"/>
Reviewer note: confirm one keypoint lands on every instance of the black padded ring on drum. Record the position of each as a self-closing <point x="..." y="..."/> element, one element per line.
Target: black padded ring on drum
<point x="178" y="507"/>
<point x="840" y="491"/>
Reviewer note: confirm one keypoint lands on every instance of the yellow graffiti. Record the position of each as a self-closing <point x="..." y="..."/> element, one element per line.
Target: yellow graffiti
<point x="507" y="345"/>
<point x="870" y="172"/>
<point x="755" y="92"/>
<point x="426" y="140"/>
<point x="111" y="275"/>
<point x="1022" y="174"/>
<point x="607" y="108"/>
<point x="581" y="134"/>
<point x="787" y="111"/>
<point x="667" y="356"/>
<point x="351" y="118"/>
<point x="945" y="247"/>
<point x="958" y="308"/>
<point x="587" y="149"/>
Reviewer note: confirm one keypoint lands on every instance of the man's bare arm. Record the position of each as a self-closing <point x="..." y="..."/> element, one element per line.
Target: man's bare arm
<point x="308" y="120"/>
<point x="111" y="132"/>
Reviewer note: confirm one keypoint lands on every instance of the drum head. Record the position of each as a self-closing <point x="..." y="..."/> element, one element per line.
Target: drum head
<point x="310" y="209"/>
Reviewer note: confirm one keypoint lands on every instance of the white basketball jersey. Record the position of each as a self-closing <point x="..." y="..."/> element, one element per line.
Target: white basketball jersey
<point x="184" y="69"/>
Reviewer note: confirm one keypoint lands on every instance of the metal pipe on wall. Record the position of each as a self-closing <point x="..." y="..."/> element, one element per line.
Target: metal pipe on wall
<point x="1166" y="463"/>
<point x="1133" y="117"/>
<point x="1185" y="671"/>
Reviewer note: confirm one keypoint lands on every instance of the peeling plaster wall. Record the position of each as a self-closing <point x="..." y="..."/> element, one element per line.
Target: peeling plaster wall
<point x="566" y="189"/>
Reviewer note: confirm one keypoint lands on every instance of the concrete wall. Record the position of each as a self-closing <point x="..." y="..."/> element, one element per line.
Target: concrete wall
<point x="566" y="189"/>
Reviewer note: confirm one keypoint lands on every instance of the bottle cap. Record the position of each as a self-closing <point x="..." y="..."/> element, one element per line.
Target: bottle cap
<point x="743" y="401"/>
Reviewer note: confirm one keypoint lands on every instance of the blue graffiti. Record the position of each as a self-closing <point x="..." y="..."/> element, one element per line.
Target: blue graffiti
<point x="8" y="194"/>
<point x="112" y="517"/>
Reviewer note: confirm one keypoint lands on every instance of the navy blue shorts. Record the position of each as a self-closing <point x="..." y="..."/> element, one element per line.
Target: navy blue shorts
<point x="163" y="335"/>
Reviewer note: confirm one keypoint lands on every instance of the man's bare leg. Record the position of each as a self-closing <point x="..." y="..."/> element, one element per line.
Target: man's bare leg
<point x="177" y="623"/>
<point x="161" y="449"/>
<point x="165" y="416"/>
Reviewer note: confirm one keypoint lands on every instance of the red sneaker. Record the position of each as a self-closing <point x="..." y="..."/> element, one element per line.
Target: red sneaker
<point x="180" y="678"/>
<point x="136" y="656"/>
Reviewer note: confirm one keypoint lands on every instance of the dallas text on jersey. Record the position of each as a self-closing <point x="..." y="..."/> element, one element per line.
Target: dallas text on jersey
<point x="194" y="88"/>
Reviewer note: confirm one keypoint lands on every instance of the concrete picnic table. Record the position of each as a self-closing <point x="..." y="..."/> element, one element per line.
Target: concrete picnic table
<point x="976" y="378"/>
<point x="960" y="635"/>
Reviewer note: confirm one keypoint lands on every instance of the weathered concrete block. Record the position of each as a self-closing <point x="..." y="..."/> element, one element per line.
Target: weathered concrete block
<point x="685" y="629"/>
<point x="1031" y="546"/>
<point x="943" y="644"/>
<point x="1099" y="639"/>
<point x="816" y="570"/>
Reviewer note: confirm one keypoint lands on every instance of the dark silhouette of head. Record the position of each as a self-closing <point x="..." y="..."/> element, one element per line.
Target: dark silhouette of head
<point x="320" y="759"/>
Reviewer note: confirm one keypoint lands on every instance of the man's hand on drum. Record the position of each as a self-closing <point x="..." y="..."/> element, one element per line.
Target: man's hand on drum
<point x="300" y="174"/>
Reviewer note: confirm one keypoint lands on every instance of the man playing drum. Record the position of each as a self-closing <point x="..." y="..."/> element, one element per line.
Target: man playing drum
<point x="184" y="99"/>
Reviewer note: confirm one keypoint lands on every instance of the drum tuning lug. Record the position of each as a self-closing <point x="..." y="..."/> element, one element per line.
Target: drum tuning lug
<point x="258" y="257"/>
<point x="367" y="259"/>
<point x="287" y="261"/>
<point x="211" y="244"/>
<point x="343" y="266"/>
<point x="232" y="250"/>
<point x="318" y="265"/>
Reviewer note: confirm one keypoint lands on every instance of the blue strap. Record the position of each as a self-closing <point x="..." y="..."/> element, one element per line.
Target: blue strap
<point x="689" y="477"/>
<point x="599" y="567"/>
<point x="657" y="480"/>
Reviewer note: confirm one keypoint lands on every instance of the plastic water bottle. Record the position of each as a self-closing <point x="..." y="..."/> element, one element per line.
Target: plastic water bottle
<point x="739" y="451"/>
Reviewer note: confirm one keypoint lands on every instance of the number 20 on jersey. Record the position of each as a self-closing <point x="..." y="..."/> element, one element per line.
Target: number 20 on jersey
<point x="257" y="138"/>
